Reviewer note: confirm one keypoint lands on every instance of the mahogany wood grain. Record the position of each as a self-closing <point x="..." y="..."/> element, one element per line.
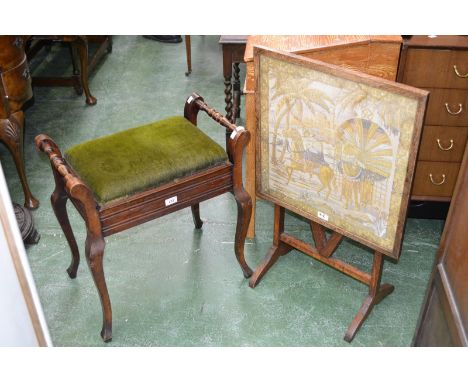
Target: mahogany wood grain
<point x="119" y="215"/>
<point x="116" y="216"/>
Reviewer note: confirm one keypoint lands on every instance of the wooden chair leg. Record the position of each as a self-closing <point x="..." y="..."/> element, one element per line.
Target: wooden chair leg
<point x="188" y="52"/>
<point x="11" y="134"/>
<point x="76" y="72"/>
<point x="236" y="92"/>
<point x="244" y="212"/>
<point x="59" y="205"/>
<point x="110" y="44"/>
<point x="196" y="216"/>
<point x="228" y="96"/>
<point x="74" y="58"/>
<point x="94" y="256"/>
<point x="81" y="45"/>
<point x="376" y="294"/>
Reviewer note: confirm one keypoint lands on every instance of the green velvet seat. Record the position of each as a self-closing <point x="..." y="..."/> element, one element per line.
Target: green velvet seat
<point x="144" y="157"/>
<point x="137" y="175"/>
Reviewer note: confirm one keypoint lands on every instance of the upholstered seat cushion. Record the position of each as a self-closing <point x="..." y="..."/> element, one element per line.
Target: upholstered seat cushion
<point x="137" y="159"/>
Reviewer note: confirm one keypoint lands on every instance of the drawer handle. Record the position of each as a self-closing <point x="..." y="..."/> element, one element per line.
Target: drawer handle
<point x="445" y="148"/>
<point x="18" y="42"/>
<point x="460" y="109"/>
<point x="437" y="183"/>
<point x="458" y="73"/>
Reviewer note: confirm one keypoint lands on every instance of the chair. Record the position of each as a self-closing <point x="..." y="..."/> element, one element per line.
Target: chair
<point x="82" y="62"/>
<point x="128" y="178"/>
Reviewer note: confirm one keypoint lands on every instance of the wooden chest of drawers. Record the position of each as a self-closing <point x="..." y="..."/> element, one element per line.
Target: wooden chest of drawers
<point x="438" y="64"/>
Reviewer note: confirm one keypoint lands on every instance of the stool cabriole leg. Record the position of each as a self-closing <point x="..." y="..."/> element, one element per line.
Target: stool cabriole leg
<point x="59" y="205"/>
<point x="196" y="216"/>
<point x="244" y="212"/>
<point x="94" y="256"/>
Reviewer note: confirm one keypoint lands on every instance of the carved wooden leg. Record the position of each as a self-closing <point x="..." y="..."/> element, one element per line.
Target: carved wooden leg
<point x="11" y="134"/>
<point x="236" y="92"/>
<point x="244" y="211"/>
<point x="277" y="249"/>
<point x="76" y="71"/>
<point x="376" y="294"/>
<point x="81" y="45"/>
<point x="59" y="205"/>
<point x="228" y="96"/>
<point x="109" y="44"/>
<point x="188" y="52"/>
<point x="196" y="216"/>
<point x="74" y="58"/>
<point x="94" y="255"/>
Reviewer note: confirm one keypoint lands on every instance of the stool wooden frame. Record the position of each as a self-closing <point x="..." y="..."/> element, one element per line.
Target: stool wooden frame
<point x="119" y="215"/>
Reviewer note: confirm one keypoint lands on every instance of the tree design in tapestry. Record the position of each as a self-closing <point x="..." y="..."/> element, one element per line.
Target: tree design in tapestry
<point x="334" y="146"/>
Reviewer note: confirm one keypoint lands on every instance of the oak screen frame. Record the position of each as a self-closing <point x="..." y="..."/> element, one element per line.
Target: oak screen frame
<point x="420" y="96"/>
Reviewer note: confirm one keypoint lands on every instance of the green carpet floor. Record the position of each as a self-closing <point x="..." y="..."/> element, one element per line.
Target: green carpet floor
<point x="171" y="285"/>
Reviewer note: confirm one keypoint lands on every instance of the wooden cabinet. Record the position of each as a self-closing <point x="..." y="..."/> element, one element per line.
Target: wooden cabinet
<point x="438" y="64"/>
<point x="444" y="315"/>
